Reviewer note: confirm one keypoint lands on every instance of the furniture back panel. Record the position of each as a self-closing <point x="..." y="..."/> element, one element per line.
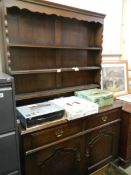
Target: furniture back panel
<point x="23" y="58"/>
<point x="38" y="82"/>
<point x="32" y="59"/>
<point x="74" y="33"/>
<point x="78" y="78"/>
<point x="73" y="58"/>
<point x="94" y="57"/>
<point x="34" y="82"/>
<point x="23" y="23"/>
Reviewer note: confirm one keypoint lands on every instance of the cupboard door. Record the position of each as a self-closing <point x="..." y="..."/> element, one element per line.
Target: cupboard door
<point x="102" y="146"/>
<point x="65" y="158"/>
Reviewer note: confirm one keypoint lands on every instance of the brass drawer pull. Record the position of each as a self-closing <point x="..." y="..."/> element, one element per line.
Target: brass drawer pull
<point x="104" y="118"/>
<point x="59" y="133"/>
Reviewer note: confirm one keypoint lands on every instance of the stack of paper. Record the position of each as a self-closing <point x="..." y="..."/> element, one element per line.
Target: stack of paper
<point x="126" y="98"/>
<point x="126" y="102"/>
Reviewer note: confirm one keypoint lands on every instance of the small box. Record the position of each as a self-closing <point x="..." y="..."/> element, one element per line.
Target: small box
<point x="109" y="169"/>
<point x="34" y="114"/>
<point x="101" y="97"/>
<point x="76" y="107"/>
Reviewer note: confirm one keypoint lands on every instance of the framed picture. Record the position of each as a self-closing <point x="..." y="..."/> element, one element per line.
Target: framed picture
<point x="115" y="77"/>
<point x="129" y="86"/>
<point x="129" y="81"/>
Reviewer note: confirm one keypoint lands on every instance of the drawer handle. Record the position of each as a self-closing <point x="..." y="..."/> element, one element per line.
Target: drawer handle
<point x="104" y="118"/>
<point x="59" y="133"/>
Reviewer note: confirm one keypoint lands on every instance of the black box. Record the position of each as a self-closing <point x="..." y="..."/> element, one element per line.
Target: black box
<point x="34" y="114"/>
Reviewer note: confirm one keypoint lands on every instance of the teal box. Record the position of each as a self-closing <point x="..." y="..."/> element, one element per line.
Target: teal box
<point x="101" y="97"/>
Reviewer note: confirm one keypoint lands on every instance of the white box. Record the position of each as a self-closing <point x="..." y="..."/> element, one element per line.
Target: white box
<point x="76" y="107"/>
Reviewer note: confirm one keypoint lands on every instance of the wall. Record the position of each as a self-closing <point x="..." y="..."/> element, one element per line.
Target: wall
<point x="126" y="30"/>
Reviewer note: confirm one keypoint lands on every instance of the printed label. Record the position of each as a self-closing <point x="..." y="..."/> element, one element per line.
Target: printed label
<point x="1" y="95"/>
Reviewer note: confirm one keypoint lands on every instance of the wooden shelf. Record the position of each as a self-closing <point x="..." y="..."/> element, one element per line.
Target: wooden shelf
<point x="51" y="50"/>
<point x="19" y="72"/>
<point x="53" y="47"/>
<point x="48" y="93"/>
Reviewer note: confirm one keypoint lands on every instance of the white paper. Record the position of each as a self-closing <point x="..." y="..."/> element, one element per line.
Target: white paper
<point x="126" y="98"/>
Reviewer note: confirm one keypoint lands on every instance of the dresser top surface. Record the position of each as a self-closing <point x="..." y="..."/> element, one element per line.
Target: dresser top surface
<point x="63" y="120"/>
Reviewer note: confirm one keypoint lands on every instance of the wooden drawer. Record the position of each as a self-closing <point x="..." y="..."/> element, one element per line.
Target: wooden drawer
<point x="46" y="136"/>
<point x="102" y="118"/>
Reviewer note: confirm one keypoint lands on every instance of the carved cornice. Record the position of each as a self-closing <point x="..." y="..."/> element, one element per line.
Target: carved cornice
<point x="50" y="8"/>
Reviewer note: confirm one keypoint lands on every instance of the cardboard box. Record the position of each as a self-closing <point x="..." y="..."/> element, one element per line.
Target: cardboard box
<point x="101" y="97"/>
<point x="76" y="107"/>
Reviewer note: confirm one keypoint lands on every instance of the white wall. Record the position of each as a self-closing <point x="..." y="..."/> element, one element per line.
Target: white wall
<point x="126" y="30"/>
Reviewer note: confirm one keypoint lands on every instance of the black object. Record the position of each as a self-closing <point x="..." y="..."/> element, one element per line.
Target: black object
<point x="9" y="144"/>
<point x="34" y="114"/>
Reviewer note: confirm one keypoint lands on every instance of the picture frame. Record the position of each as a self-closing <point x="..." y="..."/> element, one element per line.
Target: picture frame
<point x="114" y="77"/>
<point x="129" y="81"/>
